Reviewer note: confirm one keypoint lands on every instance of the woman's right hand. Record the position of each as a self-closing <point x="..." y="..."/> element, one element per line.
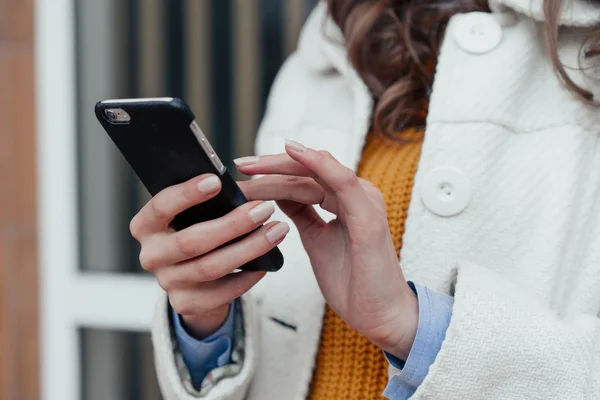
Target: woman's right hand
<point x="189" y="266"/>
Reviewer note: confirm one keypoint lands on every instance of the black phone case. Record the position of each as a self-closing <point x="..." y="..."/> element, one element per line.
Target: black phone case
<point x="160" y="146"/>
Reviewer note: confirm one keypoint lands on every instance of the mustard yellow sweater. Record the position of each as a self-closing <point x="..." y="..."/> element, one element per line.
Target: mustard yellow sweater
<point x="348" y="366"/>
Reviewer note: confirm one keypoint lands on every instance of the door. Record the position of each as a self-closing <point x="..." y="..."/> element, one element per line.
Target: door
<point x="221" y="57"/>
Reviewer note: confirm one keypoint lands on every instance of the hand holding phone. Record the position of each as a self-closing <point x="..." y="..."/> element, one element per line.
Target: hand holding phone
<point x="198" y="228"/>
<point x="192" y="265"/>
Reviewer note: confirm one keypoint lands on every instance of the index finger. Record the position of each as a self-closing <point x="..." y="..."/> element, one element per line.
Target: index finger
<point x="279" y="164"/>
<point x="158" y="213"/>
<point x="334" y="176"/>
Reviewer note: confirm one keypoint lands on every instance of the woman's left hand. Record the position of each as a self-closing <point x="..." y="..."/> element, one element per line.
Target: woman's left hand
<point x="353" y="256"/>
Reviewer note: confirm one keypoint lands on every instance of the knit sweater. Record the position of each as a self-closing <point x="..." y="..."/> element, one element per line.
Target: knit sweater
<point x="348" y="365"/>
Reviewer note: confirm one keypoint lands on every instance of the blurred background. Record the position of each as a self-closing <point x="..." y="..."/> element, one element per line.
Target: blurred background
<point x="75" y="305"/>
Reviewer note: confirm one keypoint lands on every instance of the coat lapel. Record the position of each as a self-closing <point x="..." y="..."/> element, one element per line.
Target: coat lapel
<point x="323" y="48"/>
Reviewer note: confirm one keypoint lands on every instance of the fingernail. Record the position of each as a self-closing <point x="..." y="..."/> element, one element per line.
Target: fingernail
<point x="261" y="212"/>
<point x="209" y="185"/>
<point x="277" y="232"/>
<point x="243" y="161"/>
<point x="294" y="145"/>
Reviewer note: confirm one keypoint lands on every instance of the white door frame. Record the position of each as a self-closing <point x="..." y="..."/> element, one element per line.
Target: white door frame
<point x="70" y="299"/>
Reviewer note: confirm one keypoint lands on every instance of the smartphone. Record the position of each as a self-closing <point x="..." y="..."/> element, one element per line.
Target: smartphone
<point x="163" y="143"/>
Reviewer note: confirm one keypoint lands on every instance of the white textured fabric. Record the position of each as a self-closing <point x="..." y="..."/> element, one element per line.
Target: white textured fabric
<point x="522" y="259"/>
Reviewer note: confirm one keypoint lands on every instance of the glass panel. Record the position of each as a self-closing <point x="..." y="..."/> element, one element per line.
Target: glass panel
<point x="109" y="193"/>
<point x="117" y="366"/>
<point x="221" y="56"/>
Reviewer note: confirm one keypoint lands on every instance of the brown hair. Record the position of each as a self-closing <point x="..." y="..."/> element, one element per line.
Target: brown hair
<point x="394" y="44"/>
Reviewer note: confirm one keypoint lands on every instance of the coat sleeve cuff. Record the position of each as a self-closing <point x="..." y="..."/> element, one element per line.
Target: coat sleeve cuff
<point x="229" y="382"/>
<point x="202" y="356"/>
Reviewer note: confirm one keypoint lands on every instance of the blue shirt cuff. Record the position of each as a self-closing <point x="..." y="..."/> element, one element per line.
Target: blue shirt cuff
<point x="435" y="313"/>
<point x="202" y="356"/>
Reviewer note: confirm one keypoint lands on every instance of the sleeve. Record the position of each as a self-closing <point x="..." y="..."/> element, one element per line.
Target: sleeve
<point x="504" y="342"/>
<point x="435" y="312"/>
<point x="202" y="356"/>
<point x="229" y="382"/>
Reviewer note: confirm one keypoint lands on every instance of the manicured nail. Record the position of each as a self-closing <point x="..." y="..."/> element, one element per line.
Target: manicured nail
<point x="243" y="161"/>
<point x="209" y="185"/>
<point x="277" y="232"/>
<point x="261" y="212"/>
<point x="294" y="145"/>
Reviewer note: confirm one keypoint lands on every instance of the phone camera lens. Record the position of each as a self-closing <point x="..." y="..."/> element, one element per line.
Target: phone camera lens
<point x="111" y="115"/>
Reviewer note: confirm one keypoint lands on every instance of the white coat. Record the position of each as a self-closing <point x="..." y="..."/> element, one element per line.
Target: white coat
<point x="517" y="242"/>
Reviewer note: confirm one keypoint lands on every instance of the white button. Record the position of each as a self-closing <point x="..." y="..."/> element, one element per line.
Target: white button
<point x="446" y="191"/>
<point x="477" y="32"/>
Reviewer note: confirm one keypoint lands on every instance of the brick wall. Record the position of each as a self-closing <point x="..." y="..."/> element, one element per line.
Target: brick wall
<point x="19" y="359"/>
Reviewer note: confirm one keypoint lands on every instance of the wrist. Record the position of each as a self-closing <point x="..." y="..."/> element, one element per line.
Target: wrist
<point x="201" y="326"/>
<point x="399" y="335"/>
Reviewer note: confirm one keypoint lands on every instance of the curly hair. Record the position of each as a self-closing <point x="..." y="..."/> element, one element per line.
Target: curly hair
<point x="394" y="45"/>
